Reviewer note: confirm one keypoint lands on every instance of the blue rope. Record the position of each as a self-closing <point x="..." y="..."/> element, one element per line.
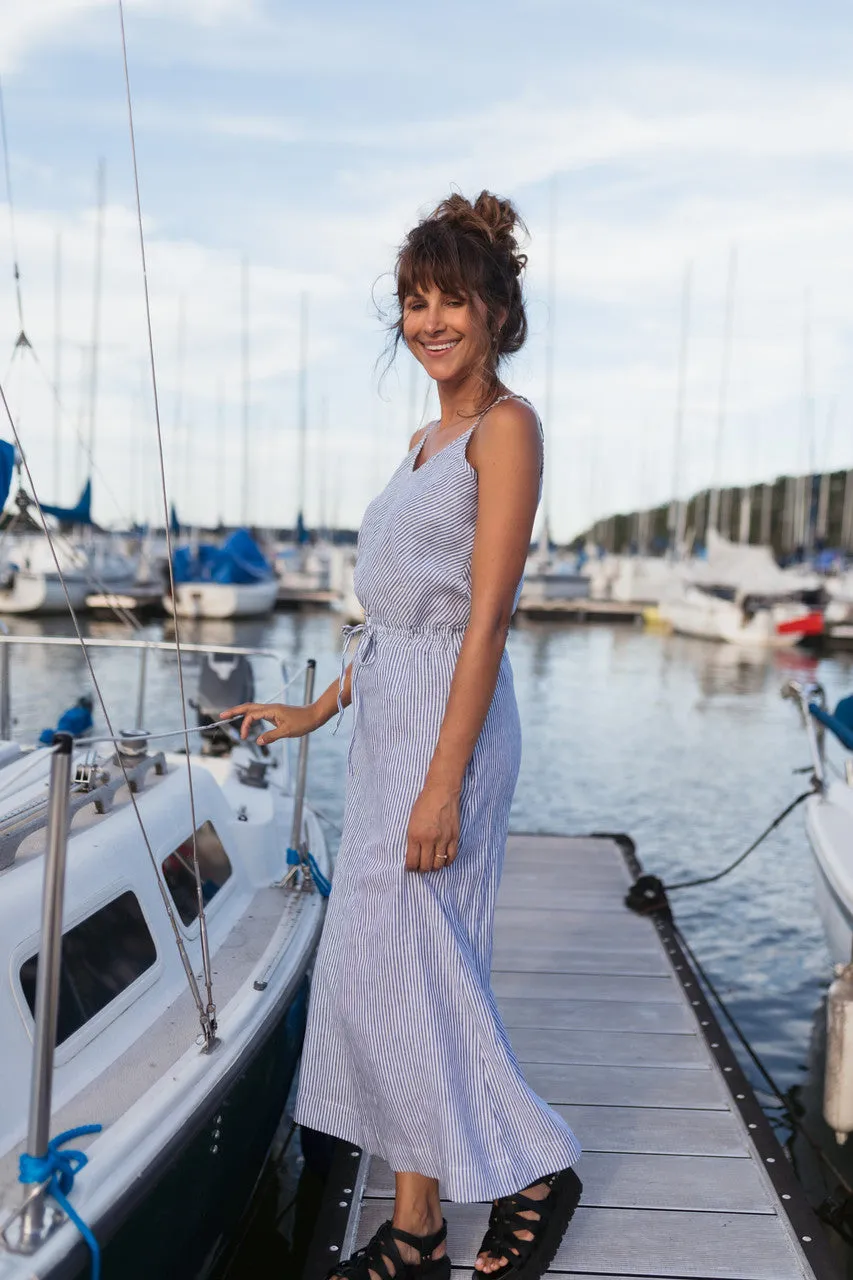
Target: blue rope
<point x="58" y="1169"/>
<point x="324" y="886"/>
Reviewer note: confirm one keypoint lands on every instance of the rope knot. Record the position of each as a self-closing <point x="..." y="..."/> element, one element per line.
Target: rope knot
<point x="58" y="1169"/>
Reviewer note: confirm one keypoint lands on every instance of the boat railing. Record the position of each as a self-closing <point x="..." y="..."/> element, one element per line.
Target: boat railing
<point x="143" y="647"/>
<point x="805" y="694"/>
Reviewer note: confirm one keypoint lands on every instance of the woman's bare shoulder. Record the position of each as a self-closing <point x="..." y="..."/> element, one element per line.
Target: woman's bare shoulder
<point x="511" y="427"/>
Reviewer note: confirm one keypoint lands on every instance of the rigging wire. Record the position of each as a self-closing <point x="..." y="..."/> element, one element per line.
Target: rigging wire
<point x="207" y="1030"/>
<point x="202" y="919"/>
<point x="11" y="213"/>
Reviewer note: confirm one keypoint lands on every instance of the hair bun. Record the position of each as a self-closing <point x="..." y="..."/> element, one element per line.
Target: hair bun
<point x="489" y="216"/>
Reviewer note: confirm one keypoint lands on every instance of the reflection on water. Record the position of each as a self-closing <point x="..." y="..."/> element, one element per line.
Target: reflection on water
<point x="685" y="745"/>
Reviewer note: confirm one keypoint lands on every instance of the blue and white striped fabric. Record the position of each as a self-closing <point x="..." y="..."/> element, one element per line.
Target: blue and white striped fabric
<point x="405" y="1054"/>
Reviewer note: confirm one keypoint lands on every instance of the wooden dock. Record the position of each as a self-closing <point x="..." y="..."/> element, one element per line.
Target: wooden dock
<point x="581" y="610"/>
<point x="683" y="1177"/>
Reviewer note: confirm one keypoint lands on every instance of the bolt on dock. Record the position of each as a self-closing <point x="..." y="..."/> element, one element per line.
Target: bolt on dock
<point x="683" y="1176"/>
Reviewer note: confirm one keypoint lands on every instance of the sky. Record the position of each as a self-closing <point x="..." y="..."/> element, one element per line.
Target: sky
<point x="306" y="140"/>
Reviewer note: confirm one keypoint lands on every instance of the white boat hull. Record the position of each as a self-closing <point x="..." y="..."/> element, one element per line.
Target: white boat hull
<point x="706" y="617"/>
<point x="829" y="823"/>
<point x="43" y="593"/>
<point x="221" y="600"/>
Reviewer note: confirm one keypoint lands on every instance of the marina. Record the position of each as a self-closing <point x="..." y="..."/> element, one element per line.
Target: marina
<point x="262" y="413"/>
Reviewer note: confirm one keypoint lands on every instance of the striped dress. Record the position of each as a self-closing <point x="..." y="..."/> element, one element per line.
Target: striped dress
<point x="405" y="1053"/>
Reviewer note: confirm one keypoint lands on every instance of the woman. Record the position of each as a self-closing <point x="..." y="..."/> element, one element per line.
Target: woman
<point x="405" y="1053"/>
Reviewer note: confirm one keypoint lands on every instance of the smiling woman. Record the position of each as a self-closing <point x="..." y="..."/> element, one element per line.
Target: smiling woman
<point x="405" y="1053"/>
<point x="459" y="290"/>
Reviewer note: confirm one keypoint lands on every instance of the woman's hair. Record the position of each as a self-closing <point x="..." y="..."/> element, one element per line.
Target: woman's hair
<point x="470" y="250"/>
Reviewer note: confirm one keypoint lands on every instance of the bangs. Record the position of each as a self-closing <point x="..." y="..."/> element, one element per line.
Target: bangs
<point x="433" y="257"/>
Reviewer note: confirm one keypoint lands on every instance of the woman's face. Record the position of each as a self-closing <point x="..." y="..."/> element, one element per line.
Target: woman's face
<point x="444" y="333"/>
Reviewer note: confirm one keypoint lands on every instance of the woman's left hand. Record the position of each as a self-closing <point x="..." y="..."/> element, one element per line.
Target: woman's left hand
<point x="433" y="836"/>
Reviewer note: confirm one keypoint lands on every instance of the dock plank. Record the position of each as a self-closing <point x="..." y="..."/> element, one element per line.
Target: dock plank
<point x="608" y="1086"/>
<point x="596" y="1015"/>
<point x="640" y="1181"/>
<point x="524" y="957"/>
<point x="656" y="1130"/>
<point x="640" y="989"/>
<point x="608" y="1048"/>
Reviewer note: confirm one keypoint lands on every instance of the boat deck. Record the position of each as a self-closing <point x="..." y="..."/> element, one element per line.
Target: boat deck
<point x="682" y="1174"/>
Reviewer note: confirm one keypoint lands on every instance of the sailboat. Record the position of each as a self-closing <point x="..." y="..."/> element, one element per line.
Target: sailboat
<point x="161" y="897"/>
<point x="235" y="580"/>
<point x="185" y="1117"/>
<point x="740" y="595"/>
<point x="31" y="582"/>
<point x="550" y="579"/>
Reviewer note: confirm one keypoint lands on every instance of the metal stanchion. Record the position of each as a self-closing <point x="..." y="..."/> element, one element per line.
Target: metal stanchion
<point x="5" y="689"/>
<point x="34" y="1226"/>
<point x="302" y="765"/>
<point x="140" y="695"/>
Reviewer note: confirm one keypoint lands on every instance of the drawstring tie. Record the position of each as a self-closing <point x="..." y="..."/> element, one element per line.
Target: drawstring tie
<point x="367" y="638"/>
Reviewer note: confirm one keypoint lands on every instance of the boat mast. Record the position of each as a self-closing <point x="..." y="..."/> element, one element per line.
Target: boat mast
<point x="96" y="309"/>
<point x="220" y="453"/>
<point x="802" y="507"/>
<point x="323" y="453"/>
<point x="302" y="412"/>
<point x="847" y="513"/>
<point x="677" y="510"/>
<point x="722" y="402"/>
<point x="822" y="527"/>
<point x="244" y="502"/>
<point x="545" y="535"/>
<point x="57" y="361"/>
<point x="179" y="391"/>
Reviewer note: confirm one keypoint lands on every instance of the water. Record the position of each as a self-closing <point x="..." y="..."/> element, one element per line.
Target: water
<point x="686" y="746"/>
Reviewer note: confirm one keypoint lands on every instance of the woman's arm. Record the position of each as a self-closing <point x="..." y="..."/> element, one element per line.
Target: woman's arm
<point x="506" y="452"/>
<point x="292" y="721"/>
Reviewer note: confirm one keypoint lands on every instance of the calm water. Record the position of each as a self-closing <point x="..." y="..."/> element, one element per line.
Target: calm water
<point x="685" y="746"/>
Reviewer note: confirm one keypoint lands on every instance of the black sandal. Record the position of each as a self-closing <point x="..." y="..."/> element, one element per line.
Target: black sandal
<point x="529" y="1259"/>
<point x="382" y="1249"/>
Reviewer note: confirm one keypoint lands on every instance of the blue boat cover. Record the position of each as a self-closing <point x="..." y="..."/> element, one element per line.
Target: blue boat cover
<point x="841" y="724"/>
<point x="238" y="561"/>
<point x="7" y="468"/>
<point x="81" y="514"/>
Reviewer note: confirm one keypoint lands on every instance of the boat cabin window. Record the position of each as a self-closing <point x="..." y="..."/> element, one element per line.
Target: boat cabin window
<point x="101" y="957"/>
<point x="179" y="873"/>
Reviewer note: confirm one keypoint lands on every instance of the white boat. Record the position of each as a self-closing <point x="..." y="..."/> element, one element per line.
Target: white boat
<point x="30" y="583"/>
<point x="829" y="816"/>
<point x="222" y="600"/>
<point x="740" y="595"/>
<point x="632" y="579"/>
<point x="305" y="574"/>
<point x="187" y="1084"/>
<point x="234" y="580"/>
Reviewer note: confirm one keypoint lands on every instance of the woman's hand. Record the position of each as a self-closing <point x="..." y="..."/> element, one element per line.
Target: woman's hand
<point x="433" y="836"/>
<point x="289" y="722"/>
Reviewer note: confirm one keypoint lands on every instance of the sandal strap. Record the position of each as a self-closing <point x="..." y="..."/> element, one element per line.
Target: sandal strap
<point x="381" y="1250"/>
<point x="507" y="1217"/>
<point x="425" y="1245"/>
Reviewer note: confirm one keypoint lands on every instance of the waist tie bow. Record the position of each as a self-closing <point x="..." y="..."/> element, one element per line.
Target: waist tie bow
<point x="367" y="638"/>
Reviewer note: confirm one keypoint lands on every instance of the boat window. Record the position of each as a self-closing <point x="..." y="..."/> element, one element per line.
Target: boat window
<point x="101" y="957"/>
<point x="179" y="873"/>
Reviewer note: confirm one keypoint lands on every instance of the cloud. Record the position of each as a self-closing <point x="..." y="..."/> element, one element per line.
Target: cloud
<point x="310" y="141"/>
